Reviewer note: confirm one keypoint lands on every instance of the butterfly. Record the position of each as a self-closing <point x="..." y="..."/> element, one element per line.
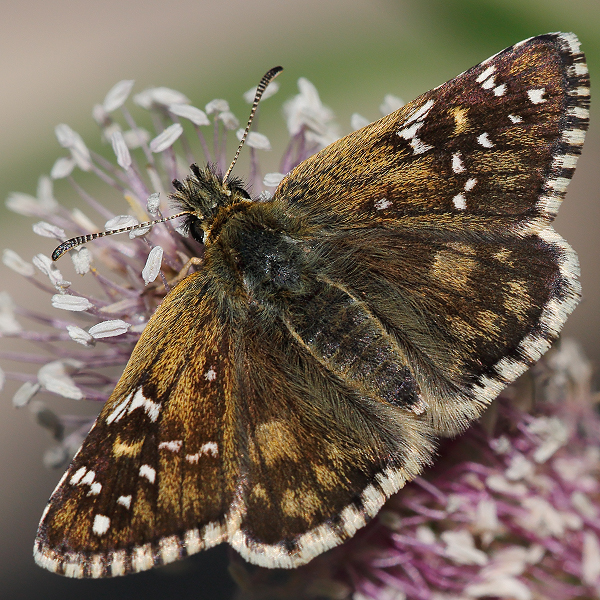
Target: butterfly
<point x="393" y="285"/>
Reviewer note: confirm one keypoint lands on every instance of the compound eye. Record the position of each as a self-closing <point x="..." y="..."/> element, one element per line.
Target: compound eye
<point x="194" y="227"/>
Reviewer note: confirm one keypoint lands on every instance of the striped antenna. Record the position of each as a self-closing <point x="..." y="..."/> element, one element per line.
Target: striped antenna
<point x="82" y="239"/>
<point x="262" y="86"/>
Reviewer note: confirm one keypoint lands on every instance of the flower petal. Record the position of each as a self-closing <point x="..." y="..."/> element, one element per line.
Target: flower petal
<point x="591" y="559"/>
<point x="109" y="329"/>
<point x="23" y="204"/>
<point x="50" y="231"/>
<point x="161" y="96"/>
<point x="71" y="140"/>
<point x="82" y="259"/>
<point x="152" y="267"/>
<point x="358" y="121"/>
<point x="63" y="167"/>
<point x="47" y="267"/>
<point x="55" y="377"/>
<point x="500" y="587"/>
<point x="167" y="138"/>
<point x="271" y="90"/>
<point x="81" y="336"/>
<point x="460" y="548"/>
<point x="216" y="105"/>
<point x="273" y="179"/>
<point x="8" y="322"/>
<point x="135" y="138"/>
<point x="117" y="95"/>
<point x="390" y="104"/>
<point x="193" y="114"/>
<point x="120" y="222"/>
<point x="121" y="150"/>
<point x="153" y="204"/>
<point x="25" y="393"/>
<point x="13" y="261"/>
<point x="229" y="120"/>
<point x="255" y="140"/>
<point x="68" y="302"/>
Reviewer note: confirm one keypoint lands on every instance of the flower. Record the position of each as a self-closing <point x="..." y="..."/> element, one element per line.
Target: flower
<point x="83" y="351"/>
<point x="510" y="510"/>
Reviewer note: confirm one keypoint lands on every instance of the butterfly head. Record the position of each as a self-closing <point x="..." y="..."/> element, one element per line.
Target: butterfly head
<point x="207" y="199"/>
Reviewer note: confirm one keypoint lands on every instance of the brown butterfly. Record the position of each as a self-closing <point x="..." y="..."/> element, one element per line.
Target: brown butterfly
<point x="395" y="283"/>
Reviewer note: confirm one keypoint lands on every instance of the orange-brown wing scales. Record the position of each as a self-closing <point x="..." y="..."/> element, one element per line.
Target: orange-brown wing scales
<point x="397" y="281"/>
<point x="162" y="457"/>
<point x="475" y="154"/>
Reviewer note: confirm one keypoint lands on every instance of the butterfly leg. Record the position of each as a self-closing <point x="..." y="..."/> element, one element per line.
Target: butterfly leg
<point x="195" y="261"/>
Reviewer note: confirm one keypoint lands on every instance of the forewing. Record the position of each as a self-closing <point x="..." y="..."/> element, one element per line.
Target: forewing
<point x="156" y="477"/>
<point x="492" y="149"/>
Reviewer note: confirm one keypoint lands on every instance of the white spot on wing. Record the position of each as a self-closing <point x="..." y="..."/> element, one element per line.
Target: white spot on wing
<point x="119" y="411"/>
<point x="418" y="146"/>
<point x="382" y="203"/>
<point x="408" y="133"/>
<point x="148" y="472"/>
<point x="88" y="479"/>
<point x="488" y="83"/>
<point x="421" y="113"/>
<point x="142" y="558"/>
<point x="95" y="488"/>
<point x="459" y="201"/>
<point x="173" y="445"/>
<point x="101" y="524"/>
<point x="484" y="140"/>
<point x="470" y="184"/>
<point x="210" y="448"/>
<point x="515" y="118"/>
<point x="210" y="375"/>
<point x="500" y="90"/>
<point x="485" y="74"/>
<point x="124" y="501"/>
<point x="140" y="401"/>
<point x="536" y="96"/>
<point x="457" y="163"/>
<point x="169" y="549"/>
<point x="77" y="476"/>
<point x="117" y="566"/>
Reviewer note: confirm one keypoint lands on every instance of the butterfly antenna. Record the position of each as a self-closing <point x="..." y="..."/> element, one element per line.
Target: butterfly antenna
<point x="82" y="239"/>
<point x="262" y="86"/>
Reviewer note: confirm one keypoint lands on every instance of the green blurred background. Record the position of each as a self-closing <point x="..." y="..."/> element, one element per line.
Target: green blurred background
<point x="57" y="59"/>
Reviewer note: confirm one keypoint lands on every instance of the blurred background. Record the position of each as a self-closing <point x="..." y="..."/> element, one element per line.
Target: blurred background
<point x="58" y="59"/>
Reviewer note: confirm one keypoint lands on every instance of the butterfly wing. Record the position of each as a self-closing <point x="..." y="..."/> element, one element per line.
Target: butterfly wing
<point x="492" y="149"/>
<point x="324" y="454"/>
<point x="438" y="216"/>
<point x="158" y="475"/>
